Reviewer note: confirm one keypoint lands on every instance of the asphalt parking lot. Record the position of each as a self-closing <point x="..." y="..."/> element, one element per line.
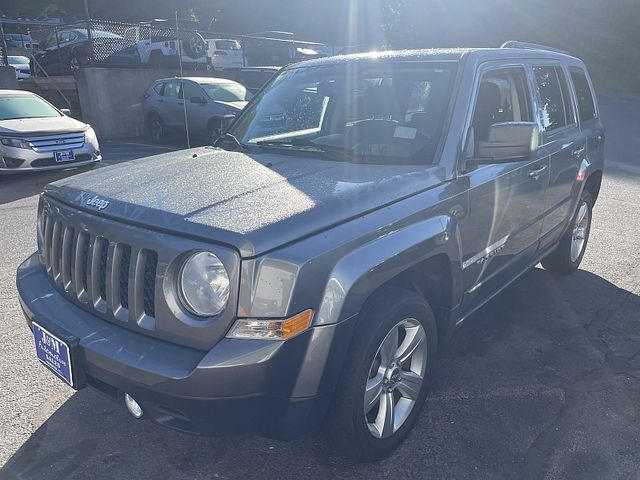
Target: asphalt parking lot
<point x="542" y="383"/>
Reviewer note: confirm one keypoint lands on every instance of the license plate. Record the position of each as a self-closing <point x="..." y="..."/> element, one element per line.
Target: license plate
<point x="53" y="353"/>
<point x="67" y="156"/>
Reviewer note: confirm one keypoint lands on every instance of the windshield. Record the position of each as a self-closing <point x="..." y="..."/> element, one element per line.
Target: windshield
<point x="226" y="92"/>
<point x="18" y="61"/>
<point x="12" y="108"/>
<point x="391" y="113"/>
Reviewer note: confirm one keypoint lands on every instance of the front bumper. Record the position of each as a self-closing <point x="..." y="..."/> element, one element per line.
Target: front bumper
<point x="15" y="160"/>
<point x="275" y="389"/>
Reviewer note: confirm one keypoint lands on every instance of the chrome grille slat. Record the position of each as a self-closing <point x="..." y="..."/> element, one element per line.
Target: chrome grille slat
<point x="97" y="272"/>
<point x="51" y="143"/>
<point x="46" y="248"/>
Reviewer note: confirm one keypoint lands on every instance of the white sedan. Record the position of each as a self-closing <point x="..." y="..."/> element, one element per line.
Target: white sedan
<point x="35" y="135"/>
<point x="21" y="65"/>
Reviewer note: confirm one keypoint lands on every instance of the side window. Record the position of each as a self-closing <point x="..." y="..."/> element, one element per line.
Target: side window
<point x="553" y="111"/>
<point x="566" y="97"/>
<point x="171" y="89"/>
<point x="586" y="105"/>
<point x="158" y="87"/>
<point x="191" y="90"/>
<point x="503" y="96"/>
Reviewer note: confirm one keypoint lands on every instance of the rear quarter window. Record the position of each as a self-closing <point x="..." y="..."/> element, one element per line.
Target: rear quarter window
<point x="584" y="95"/>
<point x="158" y="87"/>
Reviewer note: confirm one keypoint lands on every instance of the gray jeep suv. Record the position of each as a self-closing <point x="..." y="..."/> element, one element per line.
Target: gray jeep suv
<point x="305" y="270"/>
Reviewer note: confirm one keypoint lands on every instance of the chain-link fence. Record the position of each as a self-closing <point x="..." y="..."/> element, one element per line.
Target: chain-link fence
<point x="62" y="49"/>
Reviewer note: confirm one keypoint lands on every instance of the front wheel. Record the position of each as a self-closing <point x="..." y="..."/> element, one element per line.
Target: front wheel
<point x="567" y="257"/>
<point x="386" y="376"/>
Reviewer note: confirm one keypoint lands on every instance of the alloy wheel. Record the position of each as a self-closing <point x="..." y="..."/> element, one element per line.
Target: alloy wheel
<point x="395" y="378"/>
<point x="579" y="234"/>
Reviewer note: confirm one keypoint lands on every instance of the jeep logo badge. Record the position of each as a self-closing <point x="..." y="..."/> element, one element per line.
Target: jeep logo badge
<point x="99" y="203"/>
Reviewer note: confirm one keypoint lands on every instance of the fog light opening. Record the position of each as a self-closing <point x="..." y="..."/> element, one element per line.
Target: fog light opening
<point x="134" y="407"/>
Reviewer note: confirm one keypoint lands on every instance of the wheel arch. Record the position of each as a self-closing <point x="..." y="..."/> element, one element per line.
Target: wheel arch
<point x="593" y="183"/>
<point x="424" y="258"/>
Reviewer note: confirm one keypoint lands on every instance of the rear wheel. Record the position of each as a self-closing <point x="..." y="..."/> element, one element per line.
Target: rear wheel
<point x="567" y="257"/>
<point x="156" y="129"/>
<point x="386" y="376"/>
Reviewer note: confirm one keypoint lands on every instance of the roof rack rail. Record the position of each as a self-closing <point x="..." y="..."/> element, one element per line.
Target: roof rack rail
<point x="532" y="46"/>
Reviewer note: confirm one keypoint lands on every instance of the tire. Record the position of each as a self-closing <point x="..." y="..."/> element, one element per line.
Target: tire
<point x="361" y="435"/>
<point x="156" y="59"/>
<point x="195" y="46"/>
<point x="567" y="257"/>
<point x="74" y="63"/>
<point x="156" y="128"/>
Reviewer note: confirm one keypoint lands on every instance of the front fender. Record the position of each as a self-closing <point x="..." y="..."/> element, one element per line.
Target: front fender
<point x="365" y="269"/>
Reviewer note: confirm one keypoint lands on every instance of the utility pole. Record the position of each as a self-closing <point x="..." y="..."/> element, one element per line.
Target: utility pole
<point x="4" y="54"/>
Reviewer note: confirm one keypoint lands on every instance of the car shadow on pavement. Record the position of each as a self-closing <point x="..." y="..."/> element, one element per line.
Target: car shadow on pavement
<point x="544" y="381"/>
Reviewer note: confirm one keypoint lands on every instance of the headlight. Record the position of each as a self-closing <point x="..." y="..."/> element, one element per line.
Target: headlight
<point x="204" y="285"/>
<point x="15" y="142"/>
<point x="90" y="137"/>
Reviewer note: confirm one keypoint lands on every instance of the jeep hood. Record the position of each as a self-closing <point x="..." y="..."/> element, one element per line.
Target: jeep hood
<point x="253" y="202"/>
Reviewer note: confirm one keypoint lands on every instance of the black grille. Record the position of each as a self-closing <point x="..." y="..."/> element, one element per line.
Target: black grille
<point x="150" y="266"/>
<point x="125" y="260"/>
<point x="97" y="272"/>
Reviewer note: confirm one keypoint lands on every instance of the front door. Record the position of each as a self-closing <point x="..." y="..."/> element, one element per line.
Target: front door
<point x="501" y="231"/>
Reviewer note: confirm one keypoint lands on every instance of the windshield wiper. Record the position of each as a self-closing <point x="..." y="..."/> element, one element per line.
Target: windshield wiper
<point x="333" y="152"/>
<point x="229" y="136"/>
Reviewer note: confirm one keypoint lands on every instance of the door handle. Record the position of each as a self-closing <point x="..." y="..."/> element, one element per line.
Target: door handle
<point x="578" y="152"/>
<point x="537" y="172"/>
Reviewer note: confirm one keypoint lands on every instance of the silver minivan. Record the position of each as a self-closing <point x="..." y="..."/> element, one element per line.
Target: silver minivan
<point x="199" y="105"/>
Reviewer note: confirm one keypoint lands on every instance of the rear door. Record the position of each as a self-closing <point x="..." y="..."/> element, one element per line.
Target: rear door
<point x="506" y="201"/>
<point x="172" y="106"/>
<point x="562" y="141"/>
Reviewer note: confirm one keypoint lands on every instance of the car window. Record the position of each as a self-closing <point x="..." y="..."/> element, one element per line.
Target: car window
<point x="370" y="113"/>
<point x="227" y="45"/>
<point x="171" y="89"/>
<point x="18" y="60"/>
<point x="566" y="97"/>
<point x="25" y="106"/>
<point x="192" y="90"/>
<point x="586" y="105"/>
<point x="158" y="87"/>
<point x="552" y="104"/>
<point x="226" y="92"/>
<point x="503" y="96"/>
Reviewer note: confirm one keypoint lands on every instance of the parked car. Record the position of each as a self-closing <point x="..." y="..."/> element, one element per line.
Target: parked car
<point x="205" y="102"/>
<point x="19" y="40"/>
<point x="303" y="274"/>
<point x="35" y="135"/>
<point x="254" y="78"/>
<point x="65" y="51"/>
<point x="21" y="64"/>
<point x="160" y="47"/>
<point x="225" y="53"/>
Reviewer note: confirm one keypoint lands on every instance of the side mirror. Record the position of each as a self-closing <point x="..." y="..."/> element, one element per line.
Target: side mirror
<point x="198" y="100"/>
<point x="508" y="142"/>
<point x="66" y="111"/>
<point x="226" y="122"/>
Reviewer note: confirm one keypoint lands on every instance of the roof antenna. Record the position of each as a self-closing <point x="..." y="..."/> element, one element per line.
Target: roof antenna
<point x="184" y="101"/>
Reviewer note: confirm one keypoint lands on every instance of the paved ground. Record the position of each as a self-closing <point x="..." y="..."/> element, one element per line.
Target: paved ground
<point x="543" y="383"/>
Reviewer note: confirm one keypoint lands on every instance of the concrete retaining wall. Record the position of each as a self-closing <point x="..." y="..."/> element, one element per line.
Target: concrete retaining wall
<point x="8" y="78"/>
<point x="111" y="98"/>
